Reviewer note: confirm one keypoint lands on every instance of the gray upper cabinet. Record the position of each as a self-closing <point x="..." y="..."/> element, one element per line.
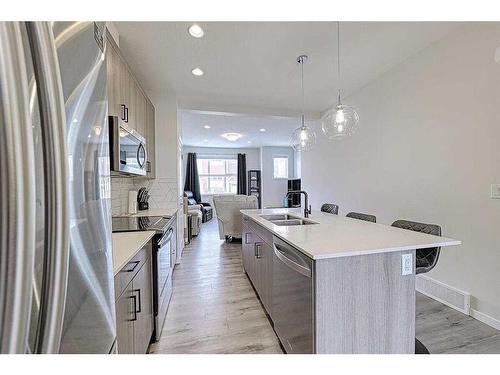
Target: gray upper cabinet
<point x="128" y="101"/>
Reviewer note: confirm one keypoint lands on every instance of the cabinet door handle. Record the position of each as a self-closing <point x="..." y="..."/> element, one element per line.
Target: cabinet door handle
<point x="123" y="106"/>
<point x="257" y="250"/>
<point x="126" y="114"/>
<point x="133" y="298"/>
<point x="135" y="263"/>
<point x="246" y="237"/>
<point x="139" y="296"/>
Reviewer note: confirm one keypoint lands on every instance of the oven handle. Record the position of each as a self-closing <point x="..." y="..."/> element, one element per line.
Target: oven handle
<point x="166" y="237"/>
<point x="290" y="263"/>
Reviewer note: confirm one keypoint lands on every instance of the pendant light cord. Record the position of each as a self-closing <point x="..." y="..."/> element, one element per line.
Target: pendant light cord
<point x="338" y="57"/>
<point x="302" y="85"/>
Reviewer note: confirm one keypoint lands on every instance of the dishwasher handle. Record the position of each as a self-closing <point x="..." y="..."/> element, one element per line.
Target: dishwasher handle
<point x="306" y="271"/>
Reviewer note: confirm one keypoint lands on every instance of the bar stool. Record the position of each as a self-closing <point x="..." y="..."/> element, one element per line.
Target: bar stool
<point x="426" y="259"/>
<point x="330" y="208"/>
<point x="361" y="216"/>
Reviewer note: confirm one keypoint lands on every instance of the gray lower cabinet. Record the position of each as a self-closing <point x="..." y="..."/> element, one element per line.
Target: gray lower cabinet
<point x="134" y="304"/>
<point x="258" y="264"/>
<point x="125" y="321"/>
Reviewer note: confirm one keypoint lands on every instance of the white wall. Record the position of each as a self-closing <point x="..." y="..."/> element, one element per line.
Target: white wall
<point x="427" y="149"/>
<point x="273" y="190"/>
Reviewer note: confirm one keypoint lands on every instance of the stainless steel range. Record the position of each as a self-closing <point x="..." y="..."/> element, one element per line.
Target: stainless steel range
<point x="164" y="255"/>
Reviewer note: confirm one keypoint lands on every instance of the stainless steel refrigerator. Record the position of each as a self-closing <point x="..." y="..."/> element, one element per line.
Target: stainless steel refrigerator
<point x="56" y="275"/>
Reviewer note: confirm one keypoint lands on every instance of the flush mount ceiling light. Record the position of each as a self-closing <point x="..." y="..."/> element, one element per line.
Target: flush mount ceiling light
<point x="206" y="126"/>
<point x="262" y="130"/>
<point x="196" y="31"/>
<point x="303" y="138"/>
<point x="342" y="120"/>
<point x="197" y="72"/>
<point x="232" y="136"/>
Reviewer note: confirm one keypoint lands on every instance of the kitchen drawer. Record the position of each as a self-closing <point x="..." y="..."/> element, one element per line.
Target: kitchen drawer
<point x="127" y="273"/>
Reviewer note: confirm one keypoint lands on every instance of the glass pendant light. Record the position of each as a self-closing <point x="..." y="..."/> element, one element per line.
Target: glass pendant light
<point x="342" y="120"/>
<point x="303" y="138"/>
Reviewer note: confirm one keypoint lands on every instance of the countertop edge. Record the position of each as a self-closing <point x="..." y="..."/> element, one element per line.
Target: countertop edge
<point x="446" y="242"/>
<point x="147" y="236"/>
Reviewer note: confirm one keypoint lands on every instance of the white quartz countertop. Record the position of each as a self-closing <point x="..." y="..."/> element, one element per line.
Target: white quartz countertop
<point x="126" y="245"/>
<point x="338" y="236"/>
<point x="169" y="212"/>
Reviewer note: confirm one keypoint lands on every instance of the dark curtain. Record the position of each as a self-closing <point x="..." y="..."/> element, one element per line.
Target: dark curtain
<point x="192" y="180"/>
<point x="242" y="174"/>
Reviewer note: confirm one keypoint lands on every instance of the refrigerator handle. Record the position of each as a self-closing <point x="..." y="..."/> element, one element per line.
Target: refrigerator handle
<point x="17" y="192"/>
<point x="53" y="122"/>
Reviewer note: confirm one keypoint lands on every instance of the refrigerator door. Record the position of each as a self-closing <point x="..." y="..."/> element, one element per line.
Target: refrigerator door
<point x="89" y="320"/>
<point x="17" y="193"/>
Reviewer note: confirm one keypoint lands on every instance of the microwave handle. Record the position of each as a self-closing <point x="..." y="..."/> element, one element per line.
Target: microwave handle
<point x="141" y="164"/>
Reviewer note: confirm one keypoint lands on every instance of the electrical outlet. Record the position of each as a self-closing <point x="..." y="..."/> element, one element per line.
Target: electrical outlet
<point x="406" y="264"/>
<point x="495" y="191"/>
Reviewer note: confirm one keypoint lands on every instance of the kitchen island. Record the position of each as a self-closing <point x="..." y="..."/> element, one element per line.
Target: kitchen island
<point x="333" y="284"/>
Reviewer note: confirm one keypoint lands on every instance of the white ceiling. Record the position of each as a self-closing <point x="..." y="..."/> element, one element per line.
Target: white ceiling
<point x="278" y="129"/>
<point x="250" y="67"/>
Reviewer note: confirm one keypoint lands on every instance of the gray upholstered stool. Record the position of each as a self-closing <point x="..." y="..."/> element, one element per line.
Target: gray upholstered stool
<point x="426" y="259"/>
<point x="361" y="216"/>
<point x="330" y="208"/>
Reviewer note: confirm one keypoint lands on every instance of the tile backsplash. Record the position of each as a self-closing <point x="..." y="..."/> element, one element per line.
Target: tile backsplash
<point x="163" y="192"/>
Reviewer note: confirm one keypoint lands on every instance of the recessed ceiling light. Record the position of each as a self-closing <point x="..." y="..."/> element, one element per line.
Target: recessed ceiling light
<point x="197" y="72"/>
<point x="262" y="130"/>
<point x="206" y="126"/>
<point x="205" y="140"/>
<point x="249" y="142"/>
<point x="232" y="136"/>
<point x="196" y="31"/>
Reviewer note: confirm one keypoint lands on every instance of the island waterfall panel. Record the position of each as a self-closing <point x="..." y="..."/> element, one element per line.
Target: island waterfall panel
<point x="364" y="305"/>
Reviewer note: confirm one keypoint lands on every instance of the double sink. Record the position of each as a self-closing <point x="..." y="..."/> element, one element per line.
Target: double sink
<point x="286" y="220"/>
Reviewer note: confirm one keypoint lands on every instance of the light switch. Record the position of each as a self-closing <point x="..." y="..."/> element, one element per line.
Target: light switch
<point x="406" y="264"/>
<point x="495" y="191"/>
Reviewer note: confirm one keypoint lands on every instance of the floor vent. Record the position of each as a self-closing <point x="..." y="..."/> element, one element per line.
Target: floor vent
<point x="443" y="293"/>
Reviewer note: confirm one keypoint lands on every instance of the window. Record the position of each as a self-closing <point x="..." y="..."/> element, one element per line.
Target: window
<point x="218" y="176"/>
<point x="280" y="166"/>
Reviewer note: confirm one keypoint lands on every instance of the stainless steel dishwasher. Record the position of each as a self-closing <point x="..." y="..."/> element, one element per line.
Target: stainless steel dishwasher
<point x="292" y="298"/>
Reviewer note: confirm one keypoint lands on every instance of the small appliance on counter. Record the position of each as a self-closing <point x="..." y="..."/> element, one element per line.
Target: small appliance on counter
<point x="132" y="202"/>
<point x="142" y="199"/>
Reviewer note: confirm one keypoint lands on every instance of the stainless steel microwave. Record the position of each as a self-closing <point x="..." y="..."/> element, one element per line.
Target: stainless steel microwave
<point x="127" y="149"/>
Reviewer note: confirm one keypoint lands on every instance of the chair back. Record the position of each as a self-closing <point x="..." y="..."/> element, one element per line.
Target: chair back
<point x="361" y="216"/>
<point x="189" y="195"/>
<point x="330" y="208"/>
<point x="426" y="258"/>
<point x="227" y="209"/>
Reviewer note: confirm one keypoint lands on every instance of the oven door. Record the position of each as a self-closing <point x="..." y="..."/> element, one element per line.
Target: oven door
<point x="162" y="280"/>
<point x="128" y="149"/>
<point x="164" y="262"/>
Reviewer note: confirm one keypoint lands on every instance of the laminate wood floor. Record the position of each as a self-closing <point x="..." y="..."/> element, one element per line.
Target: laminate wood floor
<point x="214" y="309"/>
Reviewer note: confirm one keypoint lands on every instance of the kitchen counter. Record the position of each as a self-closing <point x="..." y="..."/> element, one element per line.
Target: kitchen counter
<point x="338" y="236"/>
<point x="126" y="245"/>
<point x="167" y="212"/>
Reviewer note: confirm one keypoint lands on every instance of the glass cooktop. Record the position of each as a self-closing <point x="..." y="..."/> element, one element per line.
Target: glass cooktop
<point x="141" y="223"/>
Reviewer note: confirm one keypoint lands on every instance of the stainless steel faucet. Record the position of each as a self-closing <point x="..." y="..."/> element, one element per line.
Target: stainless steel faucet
<point x="307" y="208"/>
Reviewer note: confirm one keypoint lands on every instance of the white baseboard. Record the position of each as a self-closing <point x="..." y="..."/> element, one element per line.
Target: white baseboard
<point x="446" y="294"/>
<point x="482" y="317"/>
